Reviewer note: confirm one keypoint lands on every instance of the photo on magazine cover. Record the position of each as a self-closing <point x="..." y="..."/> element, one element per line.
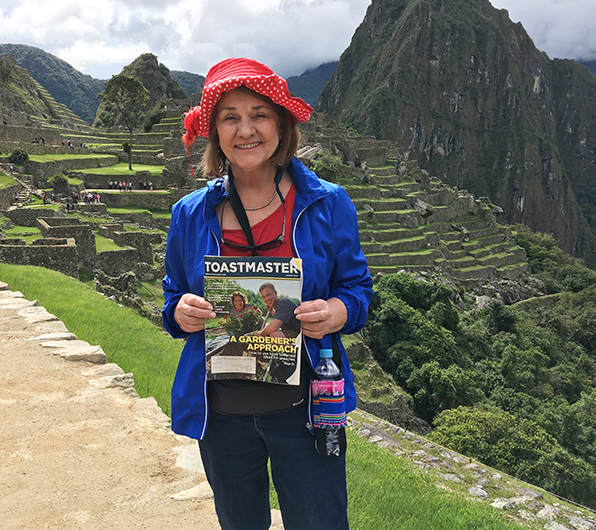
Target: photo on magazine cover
<point x="255" y="335"/>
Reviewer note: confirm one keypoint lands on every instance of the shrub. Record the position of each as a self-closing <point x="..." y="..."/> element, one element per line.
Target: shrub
<point x="18" y="157"/>
<point x="327" y="166"/>
<point x="153" y="116"/>
<point x="59" y="181"/>
<point x="521" y="448"/>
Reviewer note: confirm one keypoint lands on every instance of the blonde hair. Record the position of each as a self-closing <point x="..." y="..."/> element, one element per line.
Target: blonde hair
<point x="214" y="161"/>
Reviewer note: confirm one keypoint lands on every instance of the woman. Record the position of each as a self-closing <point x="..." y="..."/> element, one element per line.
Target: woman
<point x="251" y="119"/>
<point x="239" y="302"/>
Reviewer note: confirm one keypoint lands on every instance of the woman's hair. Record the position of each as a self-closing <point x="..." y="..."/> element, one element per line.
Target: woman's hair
<point x="241" y="295"/>
<point x="213" y="163"/>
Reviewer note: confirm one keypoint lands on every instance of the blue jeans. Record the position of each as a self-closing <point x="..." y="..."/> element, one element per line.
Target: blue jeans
<point x="311" y="488"/>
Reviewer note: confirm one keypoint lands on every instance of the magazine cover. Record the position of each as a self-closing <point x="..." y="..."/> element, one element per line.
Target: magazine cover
<point x="255" y="334"/>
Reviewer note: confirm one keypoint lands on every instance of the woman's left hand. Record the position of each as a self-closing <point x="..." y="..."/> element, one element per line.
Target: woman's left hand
<point x="321" y="317"/>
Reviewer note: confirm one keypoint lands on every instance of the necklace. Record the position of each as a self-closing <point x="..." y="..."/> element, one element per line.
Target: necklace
<point x="264" y="205"/>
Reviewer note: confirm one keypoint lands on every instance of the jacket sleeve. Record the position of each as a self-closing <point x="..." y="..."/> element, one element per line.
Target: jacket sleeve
<point x="350" y="281"/>
<point x="175" y="283"/>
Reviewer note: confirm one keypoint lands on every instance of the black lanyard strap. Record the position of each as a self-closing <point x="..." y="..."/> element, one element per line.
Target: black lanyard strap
<point x="240" y="212"/>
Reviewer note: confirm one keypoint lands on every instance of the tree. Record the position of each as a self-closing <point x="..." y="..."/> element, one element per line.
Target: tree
<point x="129" y="96"/>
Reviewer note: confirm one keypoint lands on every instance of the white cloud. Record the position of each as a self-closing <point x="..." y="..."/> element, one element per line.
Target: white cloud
<point x="561" y="28"/>
<point x="99" y="37"/>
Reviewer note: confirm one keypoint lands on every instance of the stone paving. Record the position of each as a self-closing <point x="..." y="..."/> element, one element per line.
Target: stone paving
<point x="80" y="448"/>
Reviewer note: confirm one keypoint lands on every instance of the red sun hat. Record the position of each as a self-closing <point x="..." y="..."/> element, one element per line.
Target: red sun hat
<point x="230" y="74"/>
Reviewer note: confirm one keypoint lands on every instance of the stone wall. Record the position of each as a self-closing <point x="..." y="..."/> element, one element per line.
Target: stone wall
<point x="151" y="201"/>
<point x="7" y="195"/>
<point x="138" y="240"/>
<point x="29" y="216"/>
<point x="114" y="262"/>
<point x="72" y="228"/>
<point x="59" y="254"/>
<point x="47" y="169"/>
<point x="92" y="209"/>
<point x="142" y="219"/>
<point x="25" y="135"/>
<point x="41" y="149"/>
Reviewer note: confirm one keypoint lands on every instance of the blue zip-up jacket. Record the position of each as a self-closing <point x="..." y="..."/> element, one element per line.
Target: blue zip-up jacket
<point x="324" y="236"/>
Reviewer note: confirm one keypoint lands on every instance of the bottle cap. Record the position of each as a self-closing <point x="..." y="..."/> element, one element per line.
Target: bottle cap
<point x="325" y="354"/>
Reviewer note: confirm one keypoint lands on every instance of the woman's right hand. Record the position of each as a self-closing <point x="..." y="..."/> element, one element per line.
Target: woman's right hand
<point x="191" y="312"/>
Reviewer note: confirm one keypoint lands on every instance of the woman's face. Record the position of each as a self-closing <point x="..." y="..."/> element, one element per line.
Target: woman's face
<point x="248" y="130"/>
<point x="238" y="302"/>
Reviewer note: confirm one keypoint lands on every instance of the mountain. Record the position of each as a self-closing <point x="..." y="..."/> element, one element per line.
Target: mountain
<point x="66" y="85"/>
<point x="463" y="89"/>
<point x="308" y="85"/>
<point x="155" y="77"/>
<point x="190" y="83"/>
<point x="20" y="97"/>
<point x="24" y="102"/>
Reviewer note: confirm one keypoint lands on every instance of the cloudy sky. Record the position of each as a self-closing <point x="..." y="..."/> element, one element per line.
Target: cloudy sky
<point x="99" y="37"/>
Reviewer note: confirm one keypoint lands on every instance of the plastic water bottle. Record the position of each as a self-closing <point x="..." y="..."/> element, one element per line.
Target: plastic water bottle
<point x="327" y="370"/>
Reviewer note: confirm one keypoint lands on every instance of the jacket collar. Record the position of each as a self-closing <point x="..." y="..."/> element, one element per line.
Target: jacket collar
<point x="309" y="188"/>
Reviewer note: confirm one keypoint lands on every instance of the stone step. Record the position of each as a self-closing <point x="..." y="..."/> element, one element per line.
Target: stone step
<point x="380" y="269"/>
<point x="456" y="254"/>
<point x="451" y="245"/>
<point x="462" y="262"/>
<point x="356" y="191"/>
<point x="407" y="217"/>
<point x="400" y="245"/>
<point x="501" y="259"/>
<point x="485" y="240"/>
<point x="382" y="180"/>
<point x="513" y="271"/>
<point x="383" y="171"/>
<point x="390" y="234"/>
<point x="381" y="204"/>
<point x="476" y="271"/>
<point x="424" y="257"/>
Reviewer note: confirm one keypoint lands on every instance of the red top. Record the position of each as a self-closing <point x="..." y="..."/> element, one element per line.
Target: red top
<point x="265" y="231"/>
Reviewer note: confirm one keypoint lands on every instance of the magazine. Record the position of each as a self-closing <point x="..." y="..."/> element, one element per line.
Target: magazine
<point x="255" y="335"/>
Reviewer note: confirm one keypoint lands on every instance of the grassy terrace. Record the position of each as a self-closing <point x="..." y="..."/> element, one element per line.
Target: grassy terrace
<point x="27" y="233"/>
<point x="121" y="168"/>
<point x="60" y="157"/>
<point x="6" y="181"/>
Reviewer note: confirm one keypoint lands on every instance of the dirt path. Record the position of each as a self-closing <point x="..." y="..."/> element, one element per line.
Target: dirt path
<point x="78" y="448"/>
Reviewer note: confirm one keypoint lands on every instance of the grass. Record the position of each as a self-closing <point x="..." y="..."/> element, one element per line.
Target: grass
<point x="151" y="291"/>
<point x="6" y="181"/>
<point x="121" y="168"/>
<point x="103" y="244"/>
<point x="28" y="233"/>
<point x="128" y="209"/>
<point x="387" y="493"/>
<point x="58" y="157"/>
